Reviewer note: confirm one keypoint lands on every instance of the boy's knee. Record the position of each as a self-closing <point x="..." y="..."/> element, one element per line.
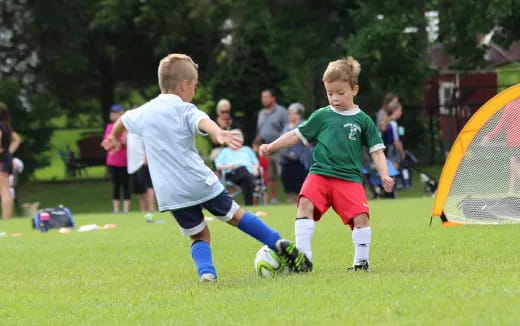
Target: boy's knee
<point x="361" y="221"/>
<point x="305" y="207"/>
<point x="203" y="235"/>
<point x="236" y="217"/>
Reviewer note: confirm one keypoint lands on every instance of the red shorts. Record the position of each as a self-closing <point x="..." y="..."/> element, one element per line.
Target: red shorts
<point x="347" y="198"/>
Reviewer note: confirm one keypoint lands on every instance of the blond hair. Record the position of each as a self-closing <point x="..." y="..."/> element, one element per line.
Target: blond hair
<point x="387" y="110"/>
<point x="345" y="69"/>
<point x="221" y="103"/>
<point x="175" y="68"/>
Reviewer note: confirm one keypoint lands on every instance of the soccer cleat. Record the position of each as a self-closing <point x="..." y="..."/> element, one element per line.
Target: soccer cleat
<point x="295" y="259"/>
<point x="207" y="278"/>
<point x="360" y="266"/>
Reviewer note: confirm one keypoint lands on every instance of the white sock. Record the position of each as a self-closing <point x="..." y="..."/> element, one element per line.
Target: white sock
<point x="361" y="239"/>
<point x="303" y="229"/>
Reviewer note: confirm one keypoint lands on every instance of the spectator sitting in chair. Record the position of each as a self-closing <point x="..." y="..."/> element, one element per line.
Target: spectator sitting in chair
<point x="240" y="167"/>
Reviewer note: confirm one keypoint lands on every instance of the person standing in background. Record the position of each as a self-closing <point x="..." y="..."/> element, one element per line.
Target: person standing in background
<point x="9" y="143"/>
<point x="271" y="121"/>
<point x="117" y="164"/>
<point x="296" y="160"/>
<point x="392" y="111"/>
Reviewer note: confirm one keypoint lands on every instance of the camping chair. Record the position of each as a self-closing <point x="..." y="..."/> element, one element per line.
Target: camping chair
<point x="259" y="194"/>
<point x="73" y="167"/>
<point x="233" y="189"/>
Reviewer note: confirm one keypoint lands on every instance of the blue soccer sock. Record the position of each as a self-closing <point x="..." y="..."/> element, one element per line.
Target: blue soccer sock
<point x="256" y="228"/>
<point x="201" y="254"/>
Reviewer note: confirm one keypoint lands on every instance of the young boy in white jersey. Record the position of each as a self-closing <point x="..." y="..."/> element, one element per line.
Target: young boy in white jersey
<point x="183" y="184"/>
<point x="339" y="131"/>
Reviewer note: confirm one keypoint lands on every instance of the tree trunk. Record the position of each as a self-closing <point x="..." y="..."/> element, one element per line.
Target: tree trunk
<point x="107" y="91"/>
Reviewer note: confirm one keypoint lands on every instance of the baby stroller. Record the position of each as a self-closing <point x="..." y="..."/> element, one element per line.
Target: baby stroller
<point x="405" y="176"/>
<point x="405" y="180"/>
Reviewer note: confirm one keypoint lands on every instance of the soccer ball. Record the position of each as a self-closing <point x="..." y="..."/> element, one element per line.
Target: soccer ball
<point x="268" y="263"/>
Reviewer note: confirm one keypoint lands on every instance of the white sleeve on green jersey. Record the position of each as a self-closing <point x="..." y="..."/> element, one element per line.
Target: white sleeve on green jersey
<point x="371" y="138"/>
<point x="310" y="129"/>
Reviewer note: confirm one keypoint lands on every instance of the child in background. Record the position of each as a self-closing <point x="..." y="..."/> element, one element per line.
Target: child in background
<point x="335" y="178"/>
<point x="183" y="184"/>
<point x="140" y="176"/>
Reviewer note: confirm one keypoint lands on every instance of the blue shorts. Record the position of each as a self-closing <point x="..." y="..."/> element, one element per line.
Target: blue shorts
<point x="191" y="219"/>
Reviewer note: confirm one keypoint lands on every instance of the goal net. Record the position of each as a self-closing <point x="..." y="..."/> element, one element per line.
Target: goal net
<point x="486" y="185"/>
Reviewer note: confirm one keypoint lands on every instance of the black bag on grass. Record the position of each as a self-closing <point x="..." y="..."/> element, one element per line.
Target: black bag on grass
<point x="59" y="217"/>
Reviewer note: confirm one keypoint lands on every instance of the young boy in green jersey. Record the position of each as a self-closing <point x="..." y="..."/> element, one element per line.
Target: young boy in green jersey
<point x="339" y="131"/>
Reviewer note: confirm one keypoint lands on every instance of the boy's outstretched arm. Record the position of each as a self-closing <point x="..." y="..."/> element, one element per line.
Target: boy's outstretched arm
<point x="286" y="140"/>
<point x="111" y="142"/>
<point x="231" y="138"/>
<point x="380" y="161"/>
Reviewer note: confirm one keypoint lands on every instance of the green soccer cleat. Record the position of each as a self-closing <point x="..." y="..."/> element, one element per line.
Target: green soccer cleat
<point x="295" y="259"/>
<point x="360" y="266"/>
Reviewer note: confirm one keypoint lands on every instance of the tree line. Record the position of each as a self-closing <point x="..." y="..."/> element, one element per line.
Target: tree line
<point x="73" y="59"/>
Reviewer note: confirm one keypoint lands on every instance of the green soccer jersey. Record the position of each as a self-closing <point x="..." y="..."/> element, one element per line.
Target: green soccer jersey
<point x="339" y="137"/>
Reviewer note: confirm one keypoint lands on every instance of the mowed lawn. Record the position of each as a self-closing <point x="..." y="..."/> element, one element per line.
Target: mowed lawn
<point x="142" y="274"/>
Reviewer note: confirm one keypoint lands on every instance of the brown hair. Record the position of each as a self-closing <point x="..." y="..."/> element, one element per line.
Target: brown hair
<point x="388" y="110"/>
<point x="345" y="69"/>
<point x="5" y="118"/>
<point x="175" y="68"/>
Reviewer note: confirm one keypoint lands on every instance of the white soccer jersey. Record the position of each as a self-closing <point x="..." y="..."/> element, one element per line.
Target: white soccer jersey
<point x="167" y="127"/>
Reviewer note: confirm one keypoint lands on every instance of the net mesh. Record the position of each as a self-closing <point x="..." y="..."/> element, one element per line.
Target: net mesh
<point x="486" y="187"/>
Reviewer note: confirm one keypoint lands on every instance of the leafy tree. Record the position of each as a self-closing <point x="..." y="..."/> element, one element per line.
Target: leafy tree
<point x="391" y="46"/>
<point x="244" y="68"/>
<point x="108" y="47"/>
<point x="20" y="89"/>
<point x="459" y="30"/>
<point x="302" y="44"/>
<point x="272" y="47"/>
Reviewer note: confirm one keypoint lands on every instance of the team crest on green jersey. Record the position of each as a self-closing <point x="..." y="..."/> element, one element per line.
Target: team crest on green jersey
<point x="354" y="129"/>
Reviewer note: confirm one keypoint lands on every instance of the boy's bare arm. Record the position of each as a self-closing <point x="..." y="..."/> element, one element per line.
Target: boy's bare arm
<point x="118" y="129"/>
<point x="231" y="138"/>
<point x="111" y="143"/>
<point x="286" y="140"/>
<point x="210" y="127"/>
<point x="380" y="161"/>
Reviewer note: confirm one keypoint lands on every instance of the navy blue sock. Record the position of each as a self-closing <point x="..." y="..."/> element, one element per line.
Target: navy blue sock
<point x="201" y="253"/>
<point x="256" y="228"/>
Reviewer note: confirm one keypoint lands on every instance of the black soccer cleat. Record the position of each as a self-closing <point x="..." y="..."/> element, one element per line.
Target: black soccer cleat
<point x="295" y="259"/>
<point x="360" y="266"/>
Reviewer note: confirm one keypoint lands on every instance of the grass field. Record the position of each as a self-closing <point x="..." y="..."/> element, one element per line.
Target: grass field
<point x="142" y="274"/>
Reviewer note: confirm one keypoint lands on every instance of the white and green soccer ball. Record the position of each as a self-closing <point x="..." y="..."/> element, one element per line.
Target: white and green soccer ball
<point x="268" y="263"/>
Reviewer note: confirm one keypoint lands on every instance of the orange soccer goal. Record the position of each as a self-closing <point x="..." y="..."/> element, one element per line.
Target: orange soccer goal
<point x="480" y="180"/>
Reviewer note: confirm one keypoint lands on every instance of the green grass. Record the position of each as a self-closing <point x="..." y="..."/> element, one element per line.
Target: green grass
<point x="142" y="274"/>
<point x="94" y="196"/>
<point x="81" y="197"/>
